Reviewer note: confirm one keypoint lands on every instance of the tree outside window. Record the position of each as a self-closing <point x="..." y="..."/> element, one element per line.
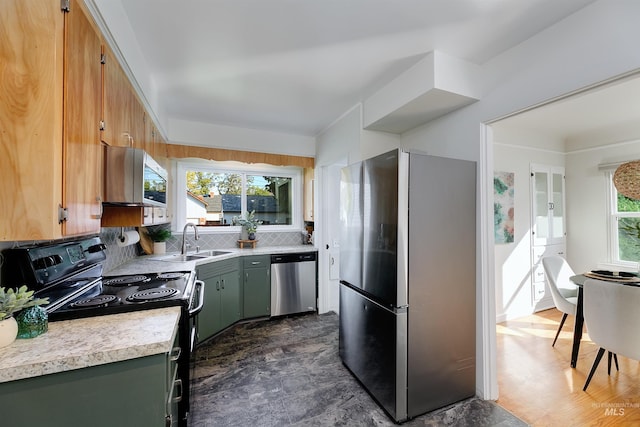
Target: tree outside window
<point x="627" y="217"/>
<point x="214" y="198"/>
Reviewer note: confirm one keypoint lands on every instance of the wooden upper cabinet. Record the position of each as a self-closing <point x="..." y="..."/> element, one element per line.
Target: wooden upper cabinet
<point x="82" y="191"/>
<point x="149" y="137"/>
<point x="48" y="102"/>
<point x="117" y="103"/>
<point x="138" y="130"/>
<point x="30" y="118"/>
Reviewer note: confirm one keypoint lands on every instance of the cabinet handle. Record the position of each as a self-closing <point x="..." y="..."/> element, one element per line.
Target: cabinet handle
<point x="175" y="354"/>
<point x="178" y="384"/>
<point x="99" y="216"/>
<point x="217" y="285"/>
<point x="222" y="283"/>
<point x="255" y="263"/>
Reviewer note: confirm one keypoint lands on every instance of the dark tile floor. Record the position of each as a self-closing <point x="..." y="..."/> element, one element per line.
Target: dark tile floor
<point x="287" y="372"/>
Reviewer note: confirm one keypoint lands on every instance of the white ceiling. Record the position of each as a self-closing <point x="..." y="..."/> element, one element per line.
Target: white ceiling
<point x="603" y="109"/>
<point x="296" y="65"/>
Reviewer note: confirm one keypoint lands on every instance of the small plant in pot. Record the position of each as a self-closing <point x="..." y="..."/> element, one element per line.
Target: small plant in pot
<point x="159" y="236"/>
<point x="249" y="222"/>
<point x="18" y="301"/>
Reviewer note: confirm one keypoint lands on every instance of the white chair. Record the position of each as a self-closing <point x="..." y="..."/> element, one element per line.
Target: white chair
<point x="612" y="316"/>
<point x="563" y="291"/>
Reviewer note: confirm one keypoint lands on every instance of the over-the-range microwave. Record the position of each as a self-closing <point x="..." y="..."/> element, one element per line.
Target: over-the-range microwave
<point x="133" y="178"/>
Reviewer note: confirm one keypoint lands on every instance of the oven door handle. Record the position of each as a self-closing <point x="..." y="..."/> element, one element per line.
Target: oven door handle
<point x="200" y="287"/>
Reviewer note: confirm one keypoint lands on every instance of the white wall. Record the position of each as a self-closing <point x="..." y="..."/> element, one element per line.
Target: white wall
<point x="342" y="143"/>
<point x="513" y="151"/>
<point x="335" y="147"/>
<point x="236" y="138"/>
<point x="586" y="196"/>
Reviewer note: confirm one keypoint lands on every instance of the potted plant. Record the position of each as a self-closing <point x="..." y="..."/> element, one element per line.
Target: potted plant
<point x="12" y="301"/>
<point x="159" y="236"/>
<point x="249" y="222"/>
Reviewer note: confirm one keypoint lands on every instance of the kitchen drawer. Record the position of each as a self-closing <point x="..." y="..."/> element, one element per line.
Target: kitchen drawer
<point x="256" y="261"/>
<point x="216" y="268"/>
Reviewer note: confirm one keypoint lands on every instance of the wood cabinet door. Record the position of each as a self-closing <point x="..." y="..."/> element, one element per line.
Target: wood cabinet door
<point x="81" y="131"/>
<point x="116" y="102"/>
<point x="149" y="137"/>
<point x="31" y="71"/>
<point x="138" y="136"/>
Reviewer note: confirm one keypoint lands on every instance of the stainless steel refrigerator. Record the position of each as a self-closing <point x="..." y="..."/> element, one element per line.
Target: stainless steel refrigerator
<point x="407" y="280"/>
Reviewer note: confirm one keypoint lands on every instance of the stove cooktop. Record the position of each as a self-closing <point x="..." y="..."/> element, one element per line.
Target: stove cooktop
<point x="119" y="294"/>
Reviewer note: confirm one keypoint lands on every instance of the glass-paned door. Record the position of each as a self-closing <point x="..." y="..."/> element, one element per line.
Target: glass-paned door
<point x="557" y="206"/>
<point x="547" y="205"/>
<point x="541" y="207"/>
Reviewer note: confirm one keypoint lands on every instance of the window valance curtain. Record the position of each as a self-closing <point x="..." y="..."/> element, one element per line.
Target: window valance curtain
<point x="176" y="151"/>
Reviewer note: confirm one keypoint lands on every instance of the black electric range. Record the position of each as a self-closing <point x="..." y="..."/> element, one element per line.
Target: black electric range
<point x="119" y="294"/>
<point x="70" y="274"/>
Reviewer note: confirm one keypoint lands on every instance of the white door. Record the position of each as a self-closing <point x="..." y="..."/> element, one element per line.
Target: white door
<point x="328" y="247"/>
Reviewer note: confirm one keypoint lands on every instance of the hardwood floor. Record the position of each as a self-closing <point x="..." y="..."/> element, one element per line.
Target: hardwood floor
<point x="537" y="384"/>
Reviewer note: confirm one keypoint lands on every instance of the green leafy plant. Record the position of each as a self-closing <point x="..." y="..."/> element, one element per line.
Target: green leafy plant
<point x="248" y="221"/>
<point x="159" y="234"/>
<point x="12" y="301"/>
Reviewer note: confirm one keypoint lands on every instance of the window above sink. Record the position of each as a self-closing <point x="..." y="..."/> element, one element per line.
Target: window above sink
<point x="210" y="194"/>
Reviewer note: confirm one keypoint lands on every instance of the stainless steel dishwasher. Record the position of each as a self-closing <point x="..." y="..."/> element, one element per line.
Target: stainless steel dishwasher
<point x="293" y="283"/>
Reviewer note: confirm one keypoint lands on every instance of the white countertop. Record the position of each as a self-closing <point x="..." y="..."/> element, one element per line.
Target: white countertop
<point x="80" y="343"/>
<point x="155" y="263"/>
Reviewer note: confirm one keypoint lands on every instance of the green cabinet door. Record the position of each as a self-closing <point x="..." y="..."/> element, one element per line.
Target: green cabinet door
<point x="257" y="286"/>
<point x="221" y="297"/>
<point x="130" y="393"/>
<point x="209" y="318"/>
<point x="230" y="311"/>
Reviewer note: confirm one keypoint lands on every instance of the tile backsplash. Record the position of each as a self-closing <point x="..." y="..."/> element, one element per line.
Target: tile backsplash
<point x="117" y="255"/>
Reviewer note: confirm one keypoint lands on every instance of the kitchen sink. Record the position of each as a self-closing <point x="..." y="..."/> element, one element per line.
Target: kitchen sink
<point x="193" y="256"/>
<point x="210" y="253"/>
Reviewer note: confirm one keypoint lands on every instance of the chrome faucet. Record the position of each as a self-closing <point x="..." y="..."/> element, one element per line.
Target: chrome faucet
<point x="184" y="235"/>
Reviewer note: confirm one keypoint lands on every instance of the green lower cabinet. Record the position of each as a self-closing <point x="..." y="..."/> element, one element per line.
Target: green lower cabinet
<point x="256" y="299"/>
<point x="221" y="295"/>
<point x="230" y="310"/>
<point x="131" y="393"/>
